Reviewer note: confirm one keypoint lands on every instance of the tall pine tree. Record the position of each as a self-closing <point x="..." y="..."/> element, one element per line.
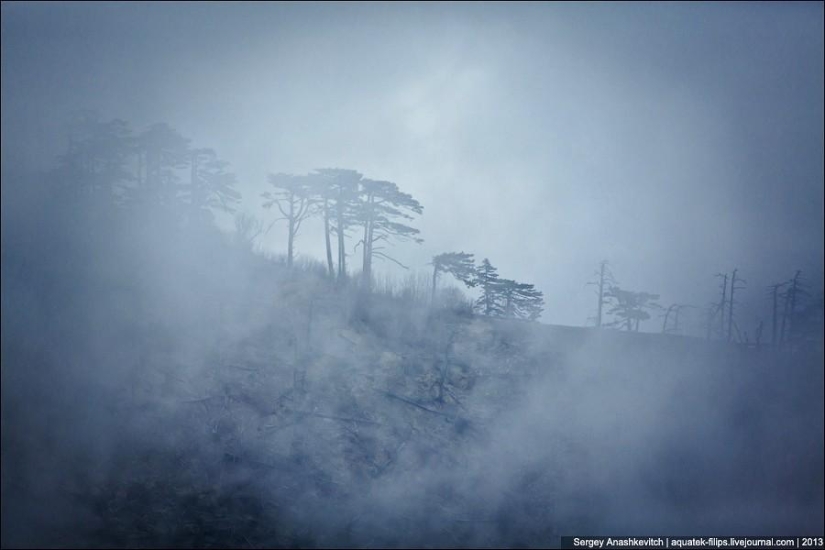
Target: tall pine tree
<point x="382" y="211"/>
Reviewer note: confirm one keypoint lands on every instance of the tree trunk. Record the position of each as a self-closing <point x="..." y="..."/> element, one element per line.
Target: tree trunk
<point x="366" y="268"/>
<point x="785" y="311"/>
<point x="435" y="276"/>
<point x="291" y="237"/>
<point x="667" y="315"/>
<point x="601" y="295"/>
<point x="342" y="256"/>
<point x="370" y="239"/>
<point x="326" y="239"/>
<point x="365" y="251"/>
<point x="794" y="287"/>
<point x="722" y="306"/>
<point x="730" y="305"/>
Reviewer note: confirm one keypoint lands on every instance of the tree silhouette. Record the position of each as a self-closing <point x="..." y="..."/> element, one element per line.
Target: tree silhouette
<point x="796" y="290"/>
<point x="161" y="154"/>
<point x="382" y="209"/>
<point x="293" y="199"/>
<point x="519" y="300"/>
<point x="458" y="264"/>
<point x="630" y="307"/>
<point x="210" y="186"/>
<point x="487" y="279"/>
<point x="774" y="293"/>
<point x="731" y="302"/>
<point x="337" y="189"/>
<point x="604" y="278"/>
<point x="96" y="161"/>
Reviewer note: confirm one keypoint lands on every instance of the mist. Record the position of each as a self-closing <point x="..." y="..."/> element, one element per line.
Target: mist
<point x="380" y="275"/>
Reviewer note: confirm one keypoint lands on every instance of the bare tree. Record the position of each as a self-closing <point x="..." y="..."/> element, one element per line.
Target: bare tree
<point x="604" y="280"/>
<point x="774" y="293"/>
<point x="733" y="289"/>
<point x="796" y="290"/>
<point x="718" y="308"/>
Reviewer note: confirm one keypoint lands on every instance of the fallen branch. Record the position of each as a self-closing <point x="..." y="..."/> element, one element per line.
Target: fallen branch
<point x="339" y="418"/>
<point x="451" y="394"/>
<point x="414" y="404"/>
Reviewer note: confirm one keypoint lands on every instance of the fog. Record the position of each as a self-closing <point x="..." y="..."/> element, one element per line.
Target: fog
<point x="170" y="379"/>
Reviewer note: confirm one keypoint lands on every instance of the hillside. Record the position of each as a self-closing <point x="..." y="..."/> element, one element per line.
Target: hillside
<point x="155" y="397"/>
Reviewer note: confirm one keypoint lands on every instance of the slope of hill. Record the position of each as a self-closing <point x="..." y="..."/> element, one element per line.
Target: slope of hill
<point x="153" y="396"/>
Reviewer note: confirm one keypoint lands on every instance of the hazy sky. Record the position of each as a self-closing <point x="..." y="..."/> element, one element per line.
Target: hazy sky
<point x="674" y="140"/>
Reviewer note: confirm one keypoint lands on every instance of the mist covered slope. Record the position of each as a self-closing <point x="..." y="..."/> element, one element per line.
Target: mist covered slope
<point x="164" y="386"/>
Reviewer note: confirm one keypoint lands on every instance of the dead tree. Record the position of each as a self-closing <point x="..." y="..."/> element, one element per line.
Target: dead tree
<point x="605" y="277"/>
<point x="791" y="296"/>
<point x="774" y="291"/>
<point x="733" y="289"/>
<point x="719" y="308"/>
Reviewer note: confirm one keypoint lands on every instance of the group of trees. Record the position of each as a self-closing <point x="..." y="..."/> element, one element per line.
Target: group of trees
<point x="796" y="314"/>
<point x="801" y="316"/>
<point x="721" y="314"/>
<point x="346" y="201"/>
<point x="628" y="307"/>
<point x="499" y="297"/>
<point x="155" y="168"/>
<point x="159" y="171"/>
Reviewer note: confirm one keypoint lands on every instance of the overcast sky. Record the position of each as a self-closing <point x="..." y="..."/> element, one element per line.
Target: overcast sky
<point x="674" y="140"/>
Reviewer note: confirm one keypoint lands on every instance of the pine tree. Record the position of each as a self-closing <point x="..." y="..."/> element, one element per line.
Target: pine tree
<point x="210" y="185"/>
<point x="630" y="307"/>
<point x="487" y="279"/>
<point x="519" y="300"/>
<point x="97" y="157"/>
<point x="458" y="264"/>
<point x="293" y="199"/>
<point x="162" y="153"/>
<point x="382" y="210"/>
<point x="337" y="190"/>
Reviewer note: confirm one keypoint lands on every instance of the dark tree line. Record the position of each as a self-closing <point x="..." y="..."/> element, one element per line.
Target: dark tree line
<point x="795" y="313"/>
<point x="629" y="308"/>
<point x="159" y="171"/>
<point x="801" y="317"/>
<point x="156" y="168"/>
